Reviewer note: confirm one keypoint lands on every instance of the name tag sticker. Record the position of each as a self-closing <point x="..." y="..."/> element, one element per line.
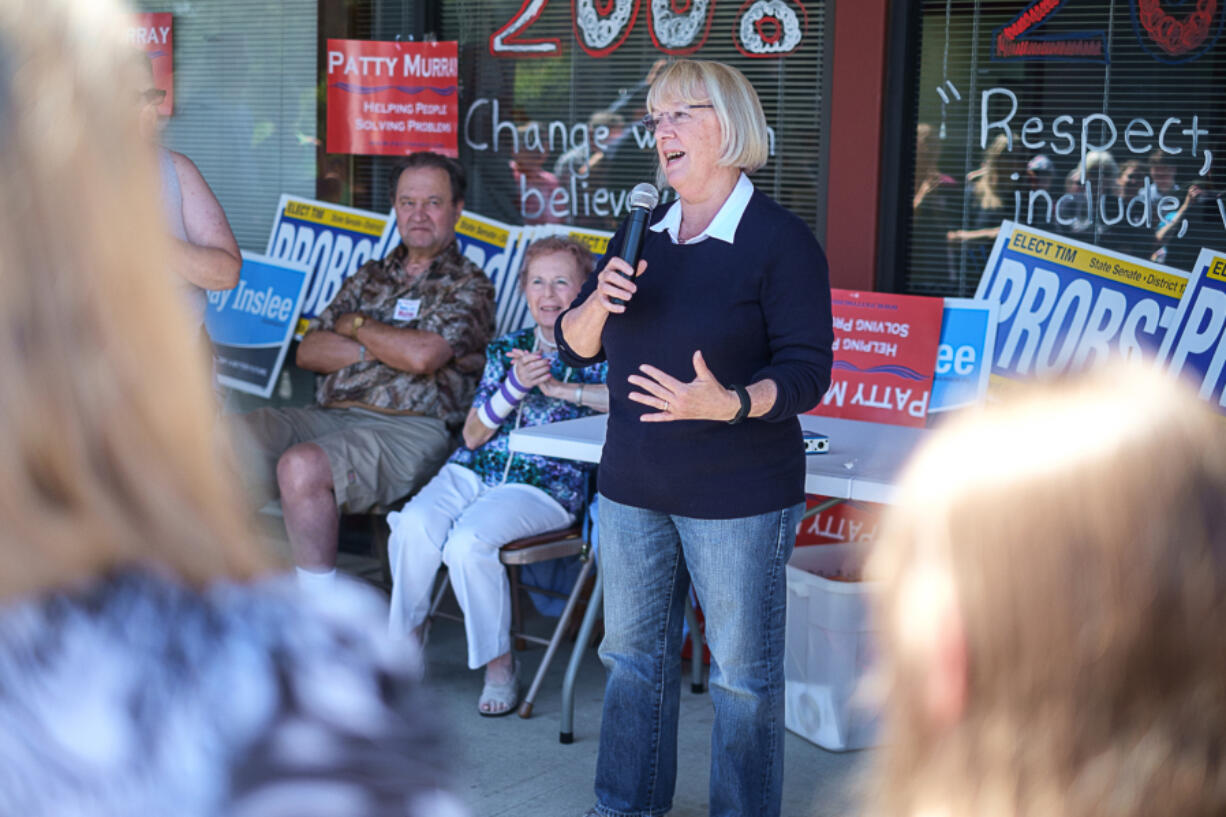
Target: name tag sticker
<point x="407" y="309"/>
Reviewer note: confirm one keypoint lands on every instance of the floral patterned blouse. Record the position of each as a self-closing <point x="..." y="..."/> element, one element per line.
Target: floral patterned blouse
<point x="561" y="479"/>
<point x="136" y="695"/>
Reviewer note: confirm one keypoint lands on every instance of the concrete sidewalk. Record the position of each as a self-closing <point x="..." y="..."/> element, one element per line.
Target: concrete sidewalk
<point x="511" y="767"/>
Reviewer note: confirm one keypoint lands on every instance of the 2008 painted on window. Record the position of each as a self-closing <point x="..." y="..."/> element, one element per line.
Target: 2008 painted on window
<point x="763" y="28"/>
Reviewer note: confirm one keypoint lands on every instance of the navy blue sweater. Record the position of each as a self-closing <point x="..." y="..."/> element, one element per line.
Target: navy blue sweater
<point x="758" y="309"/>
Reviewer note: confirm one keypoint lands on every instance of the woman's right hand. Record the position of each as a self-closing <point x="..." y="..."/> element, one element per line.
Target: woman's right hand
<point x="583" y="326"/>
<point x="615" y="281"/>
<point x="531" y="368"/>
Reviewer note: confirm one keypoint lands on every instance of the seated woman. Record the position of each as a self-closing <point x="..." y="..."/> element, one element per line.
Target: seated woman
<point x="486" y="496"/>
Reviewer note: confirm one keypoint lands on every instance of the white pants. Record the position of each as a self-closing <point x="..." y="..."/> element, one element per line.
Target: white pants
<point x="457" y="521"/>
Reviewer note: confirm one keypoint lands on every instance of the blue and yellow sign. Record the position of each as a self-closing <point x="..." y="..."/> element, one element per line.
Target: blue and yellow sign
<point x="251" y="325"/>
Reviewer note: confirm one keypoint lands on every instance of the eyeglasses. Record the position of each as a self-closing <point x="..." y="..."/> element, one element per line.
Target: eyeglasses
<point x="678" y="119"/>
<point x="152" y="95"/>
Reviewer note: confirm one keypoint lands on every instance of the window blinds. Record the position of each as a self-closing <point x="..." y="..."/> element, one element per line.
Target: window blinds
<point x="1016" y="100"/>
<point x="551" y="94"/>
<point x="245" y="107"/>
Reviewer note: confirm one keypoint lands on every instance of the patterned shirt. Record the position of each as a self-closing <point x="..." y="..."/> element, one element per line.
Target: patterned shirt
<point x="136" y="695"/>
<point x="561" y="479"/>
<point x="452" y="298"/>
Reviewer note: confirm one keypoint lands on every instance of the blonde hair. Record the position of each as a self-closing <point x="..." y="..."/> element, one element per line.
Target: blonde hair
<point x="1083" y="531"/>
<point x="108" y="447"/>
<point x="745" y="139"/>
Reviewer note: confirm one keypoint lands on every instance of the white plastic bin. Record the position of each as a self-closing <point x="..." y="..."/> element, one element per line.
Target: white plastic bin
<point x="829" y="648"/>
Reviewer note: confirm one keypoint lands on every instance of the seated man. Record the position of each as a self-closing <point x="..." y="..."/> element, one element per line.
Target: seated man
<point x="393" y="393"/>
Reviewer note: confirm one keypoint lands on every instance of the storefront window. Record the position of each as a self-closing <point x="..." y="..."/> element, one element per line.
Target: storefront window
<point x="1101" y="121"/>
<point x="552" y="92"/>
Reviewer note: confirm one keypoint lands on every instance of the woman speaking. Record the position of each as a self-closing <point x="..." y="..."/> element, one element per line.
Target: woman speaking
<point x="721" y="337"/>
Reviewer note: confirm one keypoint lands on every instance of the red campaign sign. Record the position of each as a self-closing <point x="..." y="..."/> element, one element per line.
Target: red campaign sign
<point x="392" y="99"/>
<point x="839" y="524"/>
<point x="154" y="34"/>
<point x="885" y="351"/>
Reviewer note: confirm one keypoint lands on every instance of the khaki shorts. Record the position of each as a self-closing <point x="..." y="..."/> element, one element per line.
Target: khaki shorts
<point x="376" y="458"/>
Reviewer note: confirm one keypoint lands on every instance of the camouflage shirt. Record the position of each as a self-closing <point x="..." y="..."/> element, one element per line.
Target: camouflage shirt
<point x="452" y="298"/>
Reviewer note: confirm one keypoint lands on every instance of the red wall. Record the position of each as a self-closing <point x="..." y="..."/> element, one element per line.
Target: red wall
<point x="853" y="186"/>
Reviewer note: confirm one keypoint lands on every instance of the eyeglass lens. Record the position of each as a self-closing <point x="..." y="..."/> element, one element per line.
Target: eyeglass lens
<point x="653" y="121"/>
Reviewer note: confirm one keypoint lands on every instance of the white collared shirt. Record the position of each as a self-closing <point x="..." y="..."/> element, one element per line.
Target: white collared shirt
<point x="723" y="226"/>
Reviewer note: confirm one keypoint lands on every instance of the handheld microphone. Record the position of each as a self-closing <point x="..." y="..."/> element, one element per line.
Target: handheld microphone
<point x="643" y="199"/>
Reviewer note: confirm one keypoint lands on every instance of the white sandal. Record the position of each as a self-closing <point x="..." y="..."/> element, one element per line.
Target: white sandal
<point x="506" y="695"/>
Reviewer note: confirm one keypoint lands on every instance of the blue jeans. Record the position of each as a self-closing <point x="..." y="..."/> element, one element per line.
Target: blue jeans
<point x="648" y="560"/>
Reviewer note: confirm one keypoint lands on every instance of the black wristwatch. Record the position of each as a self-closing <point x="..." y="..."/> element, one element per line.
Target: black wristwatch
<point x="743" y="411"/>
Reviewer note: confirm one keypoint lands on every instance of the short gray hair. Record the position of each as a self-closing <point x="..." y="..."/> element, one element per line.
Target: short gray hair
<point x="745" y="139"/>
<point x="565" y="245"/>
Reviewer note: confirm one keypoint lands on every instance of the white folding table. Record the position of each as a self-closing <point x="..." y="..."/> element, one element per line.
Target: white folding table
<point x="863" y="463"/>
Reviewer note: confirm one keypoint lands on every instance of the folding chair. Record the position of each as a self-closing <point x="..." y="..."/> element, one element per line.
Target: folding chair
<point x="570" y="541"/>
<point x="576" y="539"/>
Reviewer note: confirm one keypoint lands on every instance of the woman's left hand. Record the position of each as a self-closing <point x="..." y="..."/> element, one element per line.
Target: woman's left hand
<point x="552" y="387"/>
<point x="703" y="398"/>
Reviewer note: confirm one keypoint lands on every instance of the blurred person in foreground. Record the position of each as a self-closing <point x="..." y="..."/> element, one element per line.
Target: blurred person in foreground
<point x="486" y="495"/>
<point x="724" y="336"/>
<point x="1054" y="578"/>
<point x="147" y="665"/>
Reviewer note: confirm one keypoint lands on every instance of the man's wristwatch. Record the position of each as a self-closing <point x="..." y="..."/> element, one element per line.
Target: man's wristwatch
<point x="743" y="411"/>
